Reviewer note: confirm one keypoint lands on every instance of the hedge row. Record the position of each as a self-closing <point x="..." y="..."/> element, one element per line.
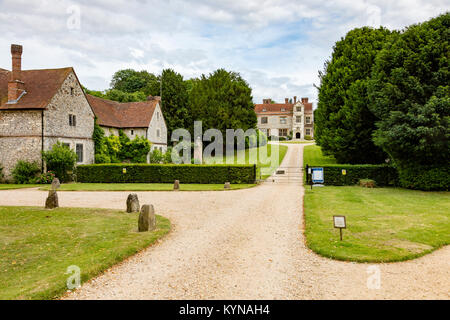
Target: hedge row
<point x="165" y="173"/>
<point x="383" y="175"/>
<point x="426" y="178"/>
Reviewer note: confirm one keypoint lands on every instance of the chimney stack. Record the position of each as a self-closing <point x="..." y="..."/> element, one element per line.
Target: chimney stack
<point x="286" y="100"/>
<point x="295" y="99"/>
<point x="15" y="85"/>
<point x="304" y="100"/>
<point x="267" y="101"/>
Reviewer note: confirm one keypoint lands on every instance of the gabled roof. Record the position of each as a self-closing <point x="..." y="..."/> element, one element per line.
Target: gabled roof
<point x="122" y="115"/>
<point x="278" y="108"/>
<point x="40" y="87"/>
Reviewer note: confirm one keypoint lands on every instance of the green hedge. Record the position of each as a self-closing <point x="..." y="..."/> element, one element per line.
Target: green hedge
<point x="165" y="173"/>
<point x="383" y="175"/>
<point x="426" y="178"/>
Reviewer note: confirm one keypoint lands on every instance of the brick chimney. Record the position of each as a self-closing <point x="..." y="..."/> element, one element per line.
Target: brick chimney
<point x="286" y="100"/>
<point x="15" y="85"/>
<point x="267" y="101"/>
<point x="295" y="99"/>
<point x="304" y="100"/>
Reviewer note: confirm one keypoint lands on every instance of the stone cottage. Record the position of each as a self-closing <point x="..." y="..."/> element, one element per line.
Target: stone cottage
<point x="39" y="108"/>
<point x="286" y="119"/>
<point x="134" y="118"/>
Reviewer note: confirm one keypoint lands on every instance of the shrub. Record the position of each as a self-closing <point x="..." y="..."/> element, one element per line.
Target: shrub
<point x="156" y="156"/>
<point x="102" y="158"/>
<point x="1" y="173"/>
<point x="45" y="178"/>
<point x="166" y="173"/>
<point x="383" y="175"/>
<point x="367" y="183"/>
<point x="61" y="160"/>
<point x="426" y="178"/>
<point x="25" y="172"/>
<point x="308" y="137"/>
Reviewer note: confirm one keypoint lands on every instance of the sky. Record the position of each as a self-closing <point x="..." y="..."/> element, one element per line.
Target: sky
<point x="278" y="46"/>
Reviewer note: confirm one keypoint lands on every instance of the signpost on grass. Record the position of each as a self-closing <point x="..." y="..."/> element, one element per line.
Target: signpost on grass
<point x="340" y="223"/>
<point x="317" y="177"/>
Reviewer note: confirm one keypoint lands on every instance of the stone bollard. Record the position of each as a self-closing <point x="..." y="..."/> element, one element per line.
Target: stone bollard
<point x="52" y="200"/>
<point x="55" y="184"/>
<point x="147" y="218"/>
<point x="132" y="203"/>
<point x="227" y="186"/>
<point x="176" y="185"/>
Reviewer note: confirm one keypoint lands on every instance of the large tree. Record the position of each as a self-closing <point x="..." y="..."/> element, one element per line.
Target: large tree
<point x="174" y="101"/>
<point x="343" y="123"/>
<point x="223" y="100"/>
<point x="130" y="81"/>
<point x="410" y="94"/>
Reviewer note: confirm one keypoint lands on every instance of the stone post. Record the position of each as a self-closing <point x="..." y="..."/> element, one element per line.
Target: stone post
<point x="176" y="185"/>
<point x="132" y="203"/>
<point x="147" y="218"/>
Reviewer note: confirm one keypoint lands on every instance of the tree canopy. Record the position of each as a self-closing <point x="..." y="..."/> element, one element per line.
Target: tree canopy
<point x="343" y="123"/>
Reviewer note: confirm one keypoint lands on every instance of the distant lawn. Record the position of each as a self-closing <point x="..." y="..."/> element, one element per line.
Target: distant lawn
<point x="38" y="245"/>
<point x="298" y="142"/>
<point x="383" y="224"/>
<point x="144" y="187"/>
<point x="312" y="156"/>
<point x="265" y="167"/>
<point x="18" y="186"/>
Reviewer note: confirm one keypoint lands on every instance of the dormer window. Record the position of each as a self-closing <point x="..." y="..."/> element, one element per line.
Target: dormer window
<point x="283" y="109"/>
<point x="264" y="110"/>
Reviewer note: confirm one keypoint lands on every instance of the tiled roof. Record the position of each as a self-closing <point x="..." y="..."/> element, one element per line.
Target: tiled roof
<point x="40" y="85"/>
<point x="274" y="108"/>
<point x="122" y="115"/>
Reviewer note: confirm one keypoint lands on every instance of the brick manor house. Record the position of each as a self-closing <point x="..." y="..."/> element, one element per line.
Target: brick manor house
<point x="41" y="107"/>
<point x="294" y="118"/>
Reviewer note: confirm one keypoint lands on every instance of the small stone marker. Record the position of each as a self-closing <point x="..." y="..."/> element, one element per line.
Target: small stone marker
<point x="147" y="218"/>
<point x="132" y="203"/>
<point x="55" y="184"/>
<point x="176" y="185"/>
<point x="227" y="186"/>
<point x="52" y="200"/>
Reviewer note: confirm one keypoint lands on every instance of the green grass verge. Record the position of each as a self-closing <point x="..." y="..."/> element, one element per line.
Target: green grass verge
<point x="38" y="245"/>
<point x="18" y="186"/>
<point x="383" y="224"/>
<point x="265" y="167"/>
<point x="144" y="187"/>
<point x="313" y="156"/>
<point x="298" y="142"/>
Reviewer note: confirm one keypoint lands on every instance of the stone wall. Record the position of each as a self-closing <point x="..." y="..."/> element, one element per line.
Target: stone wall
<point x="158" y="124"/>
<point x="20" y="138"/>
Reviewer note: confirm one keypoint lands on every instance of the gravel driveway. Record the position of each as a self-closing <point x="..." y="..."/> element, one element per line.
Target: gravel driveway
<point x="243" y="244"/>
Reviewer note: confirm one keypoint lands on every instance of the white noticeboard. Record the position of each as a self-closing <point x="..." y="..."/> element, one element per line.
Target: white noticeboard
<point x="339" y="222"/>
<point x="317" y="175"/>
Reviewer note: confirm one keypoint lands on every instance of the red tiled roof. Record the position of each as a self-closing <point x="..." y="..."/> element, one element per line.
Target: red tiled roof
<point x="40" y="85"/>
<point x="308" y="107"/>
<point x="274" y="108"/>
<point x="122" y="115"/>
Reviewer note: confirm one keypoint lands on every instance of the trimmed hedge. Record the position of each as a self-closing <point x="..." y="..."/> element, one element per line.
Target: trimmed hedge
<point x="166" y="173"/>
<point x="383" y="175"/>
<point x="428" y="178"/>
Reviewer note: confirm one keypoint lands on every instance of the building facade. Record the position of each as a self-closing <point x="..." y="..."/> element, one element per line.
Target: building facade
<point x="39" y="108"/>
<point x="290" y="119"/>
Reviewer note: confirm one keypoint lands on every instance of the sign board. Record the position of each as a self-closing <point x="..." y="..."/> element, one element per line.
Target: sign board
<point x="339" y="222"/>
<point x="317" y="175"/>
<point x="344" y="172"/>
<point x="124" y="170"/>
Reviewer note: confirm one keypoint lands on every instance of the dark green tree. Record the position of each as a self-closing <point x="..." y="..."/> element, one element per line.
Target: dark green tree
<point x="174" y="101"/>
<point x="343" y="123"/>
<point x="223" y="100"/>
<point x="131" y="81"/>
<point x="410" y="94"/>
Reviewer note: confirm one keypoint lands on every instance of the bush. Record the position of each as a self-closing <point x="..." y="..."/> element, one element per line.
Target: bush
<point x="367" y="183"/>
<point x="426" y="178"/>
<point x="383" y="175"/>
<point x="25" y="172"/>
<point x="1" y="173"/>
<point x="61" y="160"/>
<point x="156" y="156"/>
<point x="166" y="173"/>
<point x="307" y="137"/>
<point x="45" y="178"/>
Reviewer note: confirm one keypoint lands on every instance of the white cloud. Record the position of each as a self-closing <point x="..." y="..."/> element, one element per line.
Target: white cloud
<point x="277" y="45"/>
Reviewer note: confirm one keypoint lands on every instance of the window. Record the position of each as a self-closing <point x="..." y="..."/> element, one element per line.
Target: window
<point x="158" y="133"/>
<point x="299" y="109"/>
<point x="79" y="151"/>
<point x="72" y="120"/>
<point x="264" y="120"/>
<point x="264" y="110"/>
<point x="298" y="119"/>
<point x="66" y="145"/>
<point x="157" y="115"/>
<point x="132" y="132"/>
<point x="283" y="109"/>
<point x="308" y="120"/>
<point x="308" y="131"/>
<point x="283" y="132"/>
<point x="71" y="91"/>
<point x="283" y="120"/>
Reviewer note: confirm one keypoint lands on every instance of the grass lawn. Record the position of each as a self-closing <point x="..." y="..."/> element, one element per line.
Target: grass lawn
<point x="383" y="224"/>
<point x="18" y="186"/>
<point x="312" y="156"/>
<point x="297" y="142"/>
<point x="38" y="245"/>
<point x="265" y="167"/>
<point x="144" y="187"/>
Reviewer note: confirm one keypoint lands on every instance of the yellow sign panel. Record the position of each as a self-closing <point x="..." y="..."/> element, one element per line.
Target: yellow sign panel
<point x="344" y="172"/>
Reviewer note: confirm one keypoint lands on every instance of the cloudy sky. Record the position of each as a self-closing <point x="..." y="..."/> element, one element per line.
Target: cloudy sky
<point x="278" y="46"/>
